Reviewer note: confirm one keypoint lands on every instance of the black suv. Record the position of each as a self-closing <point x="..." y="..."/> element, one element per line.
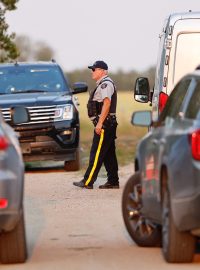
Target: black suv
<point x="53" y="130"/>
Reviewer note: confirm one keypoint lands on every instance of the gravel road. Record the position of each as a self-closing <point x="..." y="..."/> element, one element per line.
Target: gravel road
<point x="71" y="228"/>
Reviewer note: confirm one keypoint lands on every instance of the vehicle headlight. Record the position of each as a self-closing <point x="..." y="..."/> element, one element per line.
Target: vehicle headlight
<point x="68" y="112"/>
<point x="64" y="113"/>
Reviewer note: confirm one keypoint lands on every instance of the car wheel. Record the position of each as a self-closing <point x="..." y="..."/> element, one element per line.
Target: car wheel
<point x="73" y="165"/>
<point x="144" y="232"/>
<point x="177" y="247"/>
<point x="13" y="244"/>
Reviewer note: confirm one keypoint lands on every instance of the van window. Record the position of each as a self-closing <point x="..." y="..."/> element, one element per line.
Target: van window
<point x="186" y="60"/>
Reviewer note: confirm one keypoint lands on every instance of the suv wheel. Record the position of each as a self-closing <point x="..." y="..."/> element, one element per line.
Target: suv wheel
<point x="144" y="232"/>
<point x="13" y="244"/>
<point x="177" y="247"/>
<point x="73" y="165"/>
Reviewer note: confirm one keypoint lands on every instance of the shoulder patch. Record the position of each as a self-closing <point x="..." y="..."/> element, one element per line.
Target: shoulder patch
<point x="103" y="85"/>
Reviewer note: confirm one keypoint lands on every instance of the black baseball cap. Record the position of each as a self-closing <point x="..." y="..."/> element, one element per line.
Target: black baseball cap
<point x="99" y="64"/>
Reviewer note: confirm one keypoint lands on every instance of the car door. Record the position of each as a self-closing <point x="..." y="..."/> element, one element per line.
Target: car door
<point x="180" y="147"/>
<point x="155" y="145"/>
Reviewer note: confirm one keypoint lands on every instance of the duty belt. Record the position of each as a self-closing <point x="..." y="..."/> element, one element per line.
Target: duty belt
<point x="110" y="120"/>
<point x="110" y="114"/>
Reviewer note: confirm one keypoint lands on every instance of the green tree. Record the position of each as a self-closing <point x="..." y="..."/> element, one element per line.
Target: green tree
<point x="24" y="47"/>
<point x="8" y="49"/>
<point x="33" y="51"/>
<point x="43" y="52"/>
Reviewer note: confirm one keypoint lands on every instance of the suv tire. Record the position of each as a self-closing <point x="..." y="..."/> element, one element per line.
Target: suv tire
<point x="143" y="232"/>
<point x="73" y="165"/>
<point x="13" y="244"/>
<point x="177" y="247"/>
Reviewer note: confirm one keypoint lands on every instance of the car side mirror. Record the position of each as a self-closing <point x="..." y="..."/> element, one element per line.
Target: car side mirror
<point x="79" y="87"/>
<point x="19" y="115"/>
<point x="141" y="118"/>
<point x="142" y="90"/>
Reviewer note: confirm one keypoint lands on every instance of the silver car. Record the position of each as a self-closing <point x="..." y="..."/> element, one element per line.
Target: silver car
<point x="161" y="200"/>
<point x="12" y="226"/>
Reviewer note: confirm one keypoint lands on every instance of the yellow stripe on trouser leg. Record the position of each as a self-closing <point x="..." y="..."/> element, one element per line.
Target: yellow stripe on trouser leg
<point x="96" y="157"/>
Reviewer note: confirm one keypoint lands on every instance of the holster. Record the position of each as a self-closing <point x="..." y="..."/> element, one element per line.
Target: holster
<point x="95" y="121"/>
<point x="110" y="121"/>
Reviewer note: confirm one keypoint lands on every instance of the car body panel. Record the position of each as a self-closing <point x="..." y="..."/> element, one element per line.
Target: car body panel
<point x="167" y="146"/>
<point x="11" y="178"/>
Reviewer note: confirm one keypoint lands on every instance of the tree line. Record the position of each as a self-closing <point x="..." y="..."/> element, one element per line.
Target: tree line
<point x="123" y="80"/>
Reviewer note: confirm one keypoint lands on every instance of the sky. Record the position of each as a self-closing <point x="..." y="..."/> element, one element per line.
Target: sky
<point x="123" y="33"/>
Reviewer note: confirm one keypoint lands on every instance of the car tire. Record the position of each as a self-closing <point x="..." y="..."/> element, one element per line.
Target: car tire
<point x="143" y="232"/>
<point x="13" y="244"/>
<point x="73" y="165"/>
<point x="177" y="246"/>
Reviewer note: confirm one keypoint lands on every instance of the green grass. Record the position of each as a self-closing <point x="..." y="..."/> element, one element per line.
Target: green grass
<point x="127" y="135"/>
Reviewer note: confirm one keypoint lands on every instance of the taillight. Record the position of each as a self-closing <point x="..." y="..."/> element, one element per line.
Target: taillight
<point x="163" y="97"/>
<point x="195" y="144"/>
<point x="3" y="203"/>
<point x="3" y="143"/>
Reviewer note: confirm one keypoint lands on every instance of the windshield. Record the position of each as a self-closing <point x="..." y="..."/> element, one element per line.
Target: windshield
<point x="15" y="79"/>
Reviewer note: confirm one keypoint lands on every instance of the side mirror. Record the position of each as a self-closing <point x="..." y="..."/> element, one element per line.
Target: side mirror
<point x="19" y="115"/>
<point x="142" y="90"/>
<point x="79" y="87"/>
<point x="141" y="118"/>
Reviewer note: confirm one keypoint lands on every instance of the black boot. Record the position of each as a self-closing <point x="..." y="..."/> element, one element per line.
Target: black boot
<point x="108" y="185"/>
<point x="82" y="184"/>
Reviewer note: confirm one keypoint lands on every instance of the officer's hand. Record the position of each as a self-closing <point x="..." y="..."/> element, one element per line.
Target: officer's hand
<point x="98" y="128"/>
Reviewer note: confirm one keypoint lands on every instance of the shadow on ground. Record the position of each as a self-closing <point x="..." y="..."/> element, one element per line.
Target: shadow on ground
<point x="44" y="166"/>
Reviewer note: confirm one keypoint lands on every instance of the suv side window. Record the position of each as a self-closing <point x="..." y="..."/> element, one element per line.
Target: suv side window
<point x="194" y="103"/>
<point x="175" y="100"/>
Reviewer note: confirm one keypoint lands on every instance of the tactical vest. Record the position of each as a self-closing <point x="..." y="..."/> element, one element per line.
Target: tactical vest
<point x="94" y="107"/>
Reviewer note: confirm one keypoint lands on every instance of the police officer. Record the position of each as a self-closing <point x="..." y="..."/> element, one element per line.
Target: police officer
<point x="102" y="112"/>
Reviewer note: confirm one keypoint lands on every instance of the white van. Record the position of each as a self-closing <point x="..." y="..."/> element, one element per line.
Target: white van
<point x="179" y="53"/>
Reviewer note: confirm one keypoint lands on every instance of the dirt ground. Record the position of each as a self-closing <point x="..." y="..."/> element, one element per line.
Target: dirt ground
<point x="72" y="228"/>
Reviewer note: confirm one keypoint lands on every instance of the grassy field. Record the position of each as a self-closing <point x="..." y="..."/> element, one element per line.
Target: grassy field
<point x="127" y="135"/>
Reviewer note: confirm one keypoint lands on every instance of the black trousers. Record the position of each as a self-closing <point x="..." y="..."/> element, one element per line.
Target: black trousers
<point x="103" y="152"/>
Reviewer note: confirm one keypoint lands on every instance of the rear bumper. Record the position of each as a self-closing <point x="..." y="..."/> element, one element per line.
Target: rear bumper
<point x="186" y="212"/>
<point x="184" y="185"/>
<point x="11" y="188"/>
<point x="8" y="221"/>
